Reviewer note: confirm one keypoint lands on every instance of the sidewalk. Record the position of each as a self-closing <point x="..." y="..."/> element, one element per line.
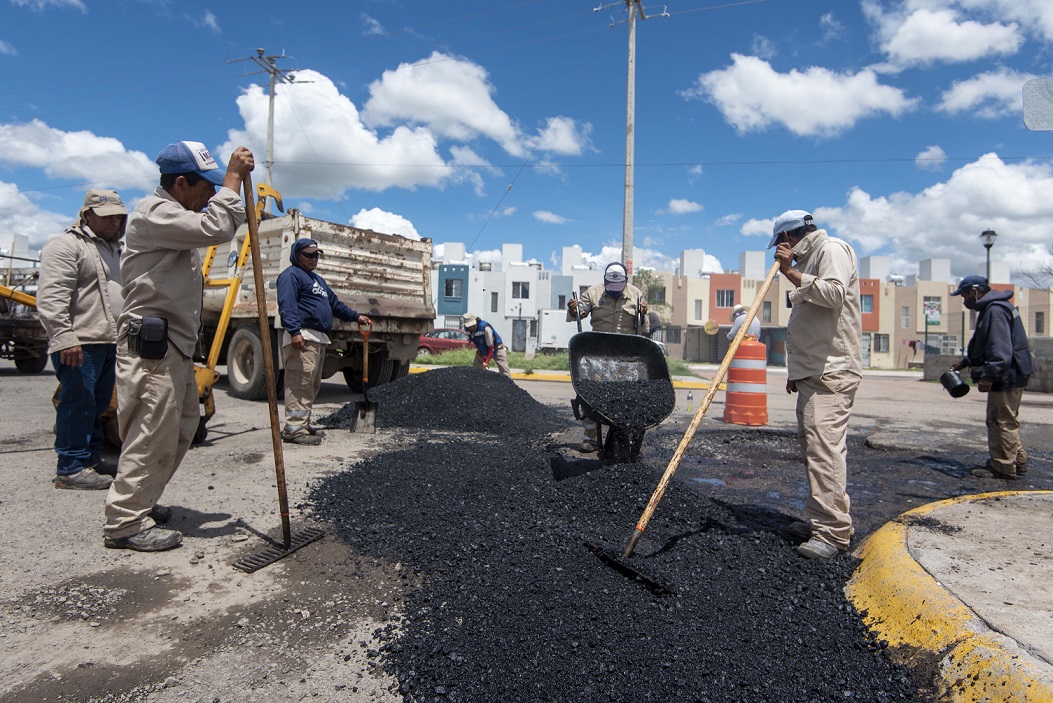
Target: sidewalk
<point x="966" y="586"/>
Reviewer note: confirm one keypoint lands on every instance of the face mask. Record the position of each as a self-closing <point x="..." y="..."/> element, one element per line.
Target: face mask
<point x="614" y="293"/>
<point x="970" y="303"/>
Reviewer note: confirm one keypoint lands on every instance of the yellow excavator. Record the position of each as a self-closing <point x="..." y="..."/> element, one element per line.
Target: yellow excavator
<point x="206" y="375"/>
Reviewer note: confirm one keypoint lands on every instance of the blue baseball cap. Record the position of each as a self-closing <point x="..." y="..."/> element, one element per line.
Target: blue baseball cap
<point x="974" y="281"/>
<point x="191" y="157"/>
<point x="788" y="222"/>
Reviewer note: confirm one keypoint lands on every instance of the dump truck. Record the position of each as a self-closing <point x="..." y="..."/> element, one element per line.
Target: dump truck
<point x="22" y="335"/>
<point x="384" y="276"/>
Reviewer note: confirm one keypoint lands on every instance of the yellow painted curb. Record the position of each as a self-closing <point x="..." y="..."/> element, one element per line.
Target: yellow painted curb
<point x="564" y="378"/>
<point x="904" y="605"/>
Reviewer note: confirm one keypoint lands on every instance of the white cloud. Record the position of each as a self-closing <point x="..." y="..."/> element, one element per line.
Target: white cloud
<point x="1035" y="15"/>
<point x="918" y="34"/>
<point x="451" y="96"/>
<point x="830" y="28"/>
<point x="7" y="49"/>
<point x="45" y="4"/>
<point x="323" y="149"/>
<point x="678" y="206"/>
<point x="564" y="137"/>
<point x="646" y="258"/>
<point x="931" y="159"/>
<point x="371" y="27"/>
<point x="762" y="47"/>
<point x="209" y="21"/>
<point x="945" y="220"/>
<point x="21" y="215"/>
<point x="728" y="220"/>
<point x="549" y="217"/>
<point x="82" y="156"/>
<point x="386" y="222"/>
<point x="990" y="95"/>
<point x="752" y="97"/>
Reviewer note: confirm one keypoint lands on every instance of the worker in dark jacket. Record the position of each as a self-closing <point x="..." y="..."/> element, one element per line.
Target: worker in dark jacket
<point x="999" y="356"/>
<point x="307" y="307"/>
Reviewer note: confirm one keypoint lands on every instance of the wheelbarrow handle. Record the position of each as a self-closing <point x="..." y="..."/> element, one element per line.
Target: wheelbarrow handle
<point x="577" y="310"/>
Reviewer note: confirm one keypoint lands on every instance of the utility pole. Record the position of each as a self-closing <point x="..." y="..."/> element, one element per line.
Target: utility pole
<point x="270" y="66"/>
<point x="634" y="7"/>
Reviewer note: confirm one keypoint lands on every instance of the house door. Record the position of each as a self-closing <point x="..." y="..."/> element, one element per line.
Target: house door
<point x="866" y="350"/>
<point x="519" y="335"/>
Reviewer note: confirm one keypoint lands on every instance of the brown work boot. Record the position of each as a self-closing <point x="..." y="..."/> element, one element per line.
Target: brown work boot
<point x="988" y="471"/>
<point x="155" y="539"/>
<point x="83" y="480"/>
<point x="307" y="440"/>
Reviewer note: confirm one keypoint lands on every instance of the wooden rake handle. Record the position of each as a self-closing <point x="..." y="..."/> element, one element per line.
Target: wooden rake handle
<point x="674" y="463"/>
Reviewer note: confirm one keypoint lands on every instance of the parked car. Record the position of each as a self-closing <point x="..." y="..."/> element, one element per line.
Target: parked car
<point x="442" y="340"/>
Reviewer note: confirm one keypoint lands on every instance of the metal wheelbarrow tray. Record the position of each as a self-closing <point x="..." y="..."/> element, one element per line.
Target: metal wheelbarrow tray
<point x="622" y="381"/>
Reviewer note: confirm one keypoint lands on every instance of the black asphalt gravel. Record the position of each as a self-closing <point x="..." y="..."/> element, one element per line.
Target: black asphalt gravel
<point x="634" y="405"/>
<point x="505" y="602"/>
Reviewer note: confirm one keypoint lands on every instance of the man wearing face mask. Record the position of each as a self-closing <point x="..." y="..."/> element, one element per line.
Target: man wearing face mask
<point x="824" y="367"/>
<point x="615" y="306"/>
<point x="1000" y="357"/>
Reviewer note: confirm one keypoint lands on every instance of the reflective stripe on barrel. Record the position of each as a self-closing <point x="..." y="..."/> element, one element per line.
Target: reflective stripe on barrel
<point x="746" y="400"/>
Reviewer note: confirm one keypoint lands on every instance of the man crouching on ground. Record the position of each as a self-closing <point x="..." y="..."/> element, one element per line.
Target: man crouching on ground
<point x="157" y="398"/>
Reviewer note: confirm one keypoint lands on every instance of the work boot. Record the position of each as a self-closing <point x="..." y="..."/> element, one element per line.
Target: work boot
<point x="799" y="530"/>
<point x="587" y="447"/>
<point x="1021" y="469"/>
<point x="155" y="539"/>
<point x="308" y="440"/>
<point x="161" y="513"/>
<point x="315" y="432"/>
<point x="83" y="480"/>
<point x="106" y="466"/>
<point x="988" y="471"/>
<point x="816" y="548"/>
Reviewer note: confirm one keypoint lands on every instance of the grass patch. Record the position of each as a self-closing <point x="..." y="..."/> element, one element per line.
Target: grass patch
<point x="540" y="362"/>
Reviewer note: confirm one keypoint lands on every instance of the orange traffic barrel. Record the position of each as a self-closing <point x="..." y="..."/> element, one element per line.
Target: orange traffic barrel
<point x="746" y="400"/>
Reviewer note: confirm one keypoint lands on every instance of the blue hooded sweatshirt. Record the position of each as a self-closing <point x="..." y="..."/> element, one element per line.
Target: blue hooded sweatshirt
<point x="304" y="299"/>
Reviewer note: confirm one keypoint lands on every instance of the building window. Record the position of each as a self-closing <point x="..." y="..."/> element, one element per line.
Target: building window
<point x="881" y="342"/>
<point x="656" y="295"/>
<point x="904" y="317"/>
<point x="725" y="298"/>
<point x="698" y="309"/>
<point x="766" y="311"/>
<point x="866" y="302"/>
<point x="452" y="289"/>
<point x="788" y="303"/>
<point x="1040" y="323"/>
<point x="562" y="302"/>
<point x="520" y="290"/>
<point x="493" y="302"/>
<point x="668" y="335"/>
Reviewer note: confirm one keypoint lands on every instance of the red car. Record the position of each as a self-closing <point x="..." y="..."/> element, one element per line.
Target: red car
<point x="442" y="340"/>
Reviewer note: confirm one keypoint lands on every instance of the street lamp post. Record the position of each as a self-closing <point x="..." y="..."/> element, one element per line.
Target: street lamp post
<point x="988" y="238"/>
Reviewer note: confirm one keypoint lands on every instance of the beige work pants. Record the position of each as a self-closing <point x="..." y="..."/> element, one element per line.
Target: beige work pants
<point x="303" y="378"/>
<point x="500" y="358"/>
<point x="824" y="404"/>
<point x="157" y="412"/>
<point x="1003" y="430"/>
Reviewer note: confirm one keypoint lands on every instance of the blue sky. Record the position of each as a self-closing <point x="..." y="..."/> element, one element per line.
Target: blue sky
<point x="898" y="123"/>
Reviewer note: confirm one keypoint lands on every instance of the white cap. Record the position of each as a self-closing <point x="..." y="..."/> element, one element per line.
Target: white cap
<point x="615" y="277"/>
<point x="787" y="222"/>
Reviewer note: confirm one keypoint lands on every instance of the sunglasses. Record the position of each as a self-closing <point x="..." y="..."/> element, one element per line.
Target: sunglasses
<point x="311" y="256"/>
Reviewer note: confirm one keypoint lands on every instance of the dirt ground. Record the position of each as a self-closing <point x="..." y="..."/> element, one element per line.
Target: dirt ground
<point x="82" y="623"/>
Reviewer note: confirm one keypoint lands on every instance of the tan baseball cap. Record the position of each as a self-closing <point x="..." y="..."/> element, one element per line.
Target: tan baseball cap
<point x="103" y="203"/>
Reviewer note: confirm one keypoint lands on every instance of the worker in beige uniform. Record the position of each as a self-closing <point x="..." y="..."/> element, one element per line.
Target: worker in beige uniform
<point x="825" y="365"/>
<point x="615" y="306"/>
<point x="157" y="396"/>
<point x="79" y="300"/>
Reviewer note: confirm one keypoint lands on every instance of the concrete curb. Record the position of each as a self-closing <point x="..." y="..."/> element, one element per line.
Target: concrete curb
<point x="910" y="609"/>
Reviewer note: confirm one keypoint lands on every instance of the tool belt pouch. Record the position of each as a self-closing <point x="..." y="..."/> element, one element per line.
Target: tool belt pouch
<point x="149" y="337"/>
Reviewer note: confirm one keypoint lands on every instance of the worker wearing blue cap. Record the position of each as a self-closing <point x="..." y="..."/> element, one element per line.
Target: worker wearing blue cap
<point x="824" y="363"/>
<point x="999" y="355"/>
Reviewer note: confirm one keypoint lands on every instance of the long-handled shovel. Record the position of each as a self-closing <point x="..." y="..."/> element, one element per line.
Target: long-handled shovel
<point x="365" y="418"/>
<point x="674" y="463"/>
<point x="271" y="554"/>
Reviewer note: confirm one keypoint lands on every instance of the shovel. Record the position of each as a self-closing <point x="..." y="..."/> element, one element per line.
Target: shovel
<point x="365" y="418"/>
<point x="291" y="542"/>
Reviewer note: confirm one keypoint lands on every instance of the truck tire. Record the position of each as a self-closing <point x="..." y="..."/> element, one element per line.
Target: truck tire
<point x="245" y="371"/>
<point x="381" y="370"/>
<point x="27" y="362"/>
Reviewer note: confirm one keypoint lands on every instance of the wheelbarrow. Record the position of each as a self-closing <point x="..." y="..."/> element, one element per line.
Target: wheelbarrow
<point x="622" y="383"/>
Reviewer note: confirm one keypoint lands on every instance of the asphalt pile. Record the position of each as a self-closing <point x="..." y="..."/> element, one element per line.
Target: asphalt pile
<point x="635" y="405"/>
<point x="456" y="398"/>
<point x="509" y="603"/>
